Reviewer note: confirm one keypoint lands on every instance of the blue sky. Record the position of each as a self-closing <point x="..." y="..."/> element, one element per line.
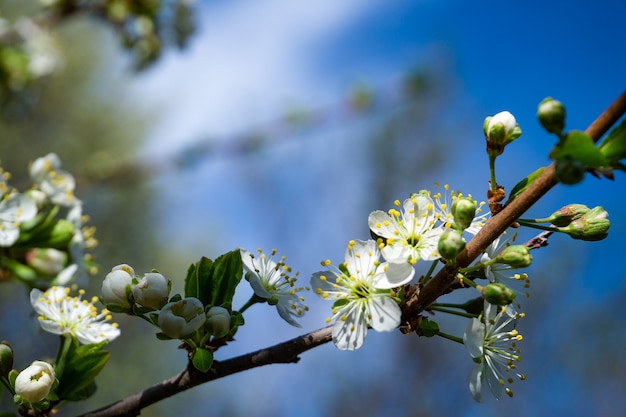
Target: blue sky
<point x="252" y="60"/>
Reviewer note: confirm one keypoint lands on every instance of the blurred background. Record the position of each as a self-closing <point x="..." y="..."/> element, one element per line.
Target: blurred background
<point x="283" y="124"/>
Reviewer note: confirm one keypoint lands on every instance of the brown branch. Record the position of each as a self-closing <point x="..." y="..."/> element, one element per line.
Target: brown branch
<point x="499" y="223"/>
<point x="286" y="352"/>
<point x="289" y="351"/>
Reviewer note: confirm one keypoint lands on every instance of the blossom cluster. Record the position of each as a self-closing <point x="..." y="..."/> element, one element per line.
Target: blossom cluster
<point x="362" y="288"/>
<point x="45" y="228"/>
<point x="124" y="291"/>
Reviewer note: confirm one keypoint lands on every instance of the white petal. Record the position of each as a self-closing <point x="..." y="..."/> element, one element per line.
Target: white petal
<point x="361" y="258"/>
<point x="473" y="338"/>
<point x="350" y="334"/>
<point x="396" y="274"/>
<point x="287" y="314"/>
<point x="382" y="224"/>
<point x="398" y="252"/>
<point x="384" y="313"/>
<point x="476" y="383"/>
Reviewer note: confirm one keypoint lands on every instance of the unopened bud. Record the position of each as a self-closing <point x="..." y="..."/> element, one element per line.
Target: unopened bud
<point x="6" y="359"/>
<point x="116" y="286"/>
<point x="463" y="210"/>
<point x="569" y="171"/>
<point x="565" y="215"/>
<point x="451" y="243"/>
<point x="500" y="130"/>
<point x="47" y="261"/>
<point x="593" y="225"/>
<point x="218" y="321"/>
<point x="152" y="291"/>
<point x="498" y="294"/>
<point x="35" y="382"/>
<point x="516" y="256"/>
<point x="551" y="115"/>
<point x="181" y="318"/>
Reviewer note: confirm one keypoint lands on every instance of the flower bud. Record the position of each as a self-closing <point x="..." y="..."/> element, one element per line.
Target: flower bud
<point x="565" y="215"/>
<point x="551" y="115"/>
<point x="47" y="261"/>
<point x="498" y="294"/>
<point x="116" y="284"/>
<point x="218" y="321"/>
<point x="593" y="225"/>
<point x="34" y="383"/>
<point x="569" y="171"/>
<point x="451" y="243"/>
<point x="152" y="291"/>
<point x="6" y="359"/>
<point x="181" y="318"/>
<point x="463" y="210"/>
<point x="500" y="130"/>
<point x="516" y="256"/>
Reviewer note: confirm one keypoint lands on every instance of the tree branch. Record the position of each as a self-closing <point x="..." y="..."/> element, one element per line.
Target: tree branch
<point x="286" y="352"/>
<point x="289" y="351"/>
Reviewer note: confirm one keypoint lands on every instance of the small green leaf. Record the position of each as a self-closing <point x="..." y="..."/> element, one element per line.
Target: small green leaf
<point x="521" y="186"/>
<point x="429" y="328"/>
<point x="204" y="278"/>
<point x="83" y="364"/>
<point x="202" y="359"/>
<point x="340" y="302"/>
<point x="227" y="273"/>
<point x="613" y="147"/>
<point x="191" y="281"/>
<point x="580" y="147"/>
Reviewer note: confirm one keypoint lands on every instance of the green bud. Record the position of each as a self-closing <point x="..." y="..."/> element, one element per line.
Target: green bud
<point x="569" y="171"/>
<point x="551" y="115"/>
<point x="451" y="243"/>
<point x="217" y="321"/>
<point x="463" y="210"/>
<point x="498" y="294"/>
<point x="6" y="359"/>
<point x="516" y="256"/>
<point x="500" y="130"/>
<point x="565" y="215"/>
<point x="593" y="225"/>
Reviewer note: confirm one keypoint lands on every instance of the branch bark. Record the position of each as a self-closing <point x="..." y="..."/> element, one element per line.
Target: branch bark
<point x="289" y="351"/>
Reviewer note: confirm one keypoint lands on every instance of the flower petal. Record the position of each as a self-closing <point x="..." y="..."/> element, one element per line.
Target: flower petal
<point x="384" y="313"/>
<point x="395" y="275"/>
<point x="350" y="333"/>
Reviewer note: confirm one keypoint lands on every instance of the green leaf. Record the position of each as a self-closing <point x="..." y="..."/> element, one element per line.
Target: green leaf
<point x="340" y="302"/>
<point x="204" y="277"/>
<point x="83" y="364"/>
<point x="227" y="273"/>
<point x="214" y="282"/>
<point x="613" y="147"/>
<point x="202" y="359"/>
<point x="429" y="328"/>
<point x="580" y="147"/>
<point x="521" y="186"/>
<point x="191" y="282"/>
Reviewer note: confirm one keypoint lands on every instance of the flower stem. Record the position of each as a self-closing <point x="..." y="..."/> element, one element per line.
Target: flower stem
<point x="66" y="343"/>
<point x="450" y="337"/>
<point x="442" y="309"/>
<point x="252" y="301"/>
<point x="492" y="173"/>
<point x="426" y="277"/>
<point x="533" y="225"/>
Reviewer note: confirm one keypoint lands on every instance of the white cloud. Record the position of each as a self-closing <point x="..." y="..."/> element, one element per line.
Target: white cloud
<point x="244" y="65"/>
